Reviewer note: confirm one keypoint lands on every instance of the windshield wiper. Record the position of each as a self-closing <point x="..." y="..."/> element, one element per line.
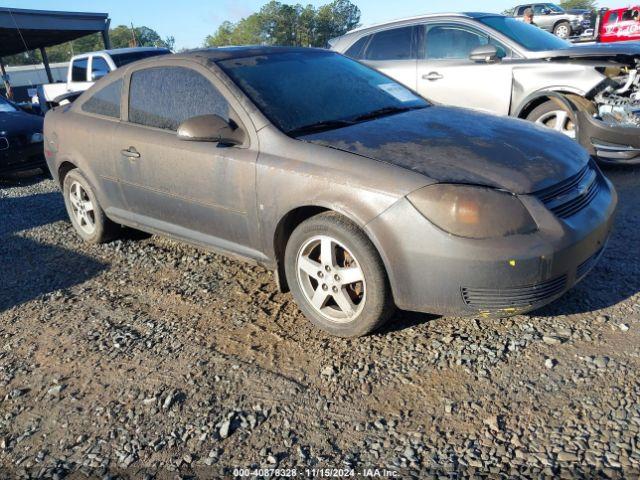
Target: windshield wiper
<point x="319" y="127"/>
<point x="382" y="112"/>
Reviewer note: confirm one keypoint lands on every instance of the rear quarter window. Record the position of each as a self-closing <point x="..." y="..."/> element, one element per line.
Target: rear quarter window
<point x="164" y="97"/>
<point x="105" y="101"/>
<point x="357" y="49"/>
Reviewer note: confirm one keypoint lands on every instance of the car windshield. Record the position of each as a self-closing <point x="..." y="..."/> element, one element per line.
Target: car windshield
<point x="121" y="59"/>
<point x="528" y="36"/>
<point x="6" y="106"/>
<point x="301" y="92"/>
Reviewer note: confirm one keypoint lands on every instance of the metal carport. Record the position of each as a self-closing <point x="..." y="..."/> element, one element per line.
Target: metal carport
<point x="25" y="30"/>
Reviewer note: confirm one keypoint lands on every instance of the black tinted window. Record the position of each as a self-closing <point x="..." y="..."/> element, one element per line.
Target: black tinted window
<point x="395" y="44"/>
<point x="164" y="97"/>
<point x="299" y="89"/>
<point x="121" y="59"/>
<point x="79" y="70"/>
<point x="356" y="50"/>
<point x="99" y="65"/>
<point x="105" y="101"/>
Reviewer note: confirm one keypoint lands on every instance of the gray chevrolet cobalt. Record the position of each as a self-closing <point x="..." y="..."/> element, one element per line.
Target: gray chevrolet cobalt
<point x="358" y="193"/>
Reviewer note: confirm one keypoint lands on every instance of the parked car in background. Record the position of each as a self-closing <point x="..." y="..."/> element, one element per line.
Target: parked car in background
<point x="86" y="68"/>
<point x="361" y="196"/>
<point x="619" y="25"/>
<point x="20" y="139"/>
<point x="555" y="19"/>
<point x="497" y="64"/>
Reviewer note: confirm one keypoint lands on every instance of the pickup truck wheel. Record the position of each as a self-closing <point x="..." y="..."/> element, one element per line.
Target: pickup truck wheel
<point x="552" y="115"/>
<point x="87" y="217"/>
<point x="337" y="276"/>
<point x="562" y="30"/>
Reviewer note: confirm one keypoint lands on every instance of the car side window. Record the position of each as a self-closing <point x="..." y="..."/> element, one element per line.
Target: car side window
<point x="538" y="9"/>
<point x="453" y="42"/>
<point x="393" y="44"/>
<point x="105" y="101"/>
<point x="164" y="97"/>
<point x="79" y="70"/>
<point x="99" y="65"/>
<point x="521" y="10"/>
<point x="357" y="49"/>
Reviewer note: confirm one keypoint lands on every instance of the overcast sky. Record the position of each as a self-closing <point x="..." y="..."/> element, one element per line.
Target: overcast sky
<point x="190" y="21"/>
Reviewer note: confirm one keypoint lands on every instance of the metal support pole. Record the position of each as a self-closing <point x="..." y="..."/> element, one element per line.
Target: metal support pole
<point x="105" y="35"/>
<point x="5" y="80"/>
<point x="45" y="60"/>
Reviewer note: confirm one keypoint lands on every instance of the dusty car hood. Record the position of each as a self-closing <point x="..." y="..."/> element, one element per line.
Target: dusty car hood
<point x="617" y="50"/>
<point x="456" y="145"/>
<point x="18" y="123"/>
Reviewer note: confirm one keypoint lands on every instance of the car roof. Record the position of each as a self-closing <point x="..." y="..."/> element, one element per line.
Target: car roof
<point x="226" y="53"/>
<point x="116" y="51"/>
<point x="427" y="16"/>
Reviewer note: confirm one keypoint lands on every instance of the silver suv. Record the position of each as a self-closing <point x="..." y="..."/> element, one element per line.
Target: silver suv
<point x="553" y="18"/>
<point x="498" y="64"/>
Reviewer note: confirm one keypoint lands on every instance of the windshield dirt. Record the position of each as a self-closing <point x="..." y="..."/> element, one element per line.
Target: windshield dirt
<point x="317" y="90"/>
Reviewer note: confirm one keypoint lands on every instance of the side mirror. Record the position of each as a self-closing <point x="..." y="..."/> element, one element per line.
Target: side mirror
<point x="211" y="128"/>
<point x="484" y="53"/>
<point x="97" y="75"/>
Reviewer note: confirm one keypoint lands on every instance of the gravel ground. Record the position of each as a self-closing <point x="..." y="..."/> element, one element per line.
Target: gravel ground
<point x="145" y="357"/>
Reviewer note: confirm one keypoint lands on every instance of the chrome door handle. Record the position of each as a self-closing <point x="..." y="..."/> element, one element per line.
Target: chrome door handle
<point x="432" y="76"/>
<point x="131" y="152"/>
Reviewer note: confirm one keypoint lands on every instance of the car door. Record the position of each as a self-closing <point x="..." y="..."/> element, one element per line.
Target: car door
<point x="393" y="52"/>
<point x="196" y="190"/>
<point x="447" y="75"/>
<point x="94" y="137"/>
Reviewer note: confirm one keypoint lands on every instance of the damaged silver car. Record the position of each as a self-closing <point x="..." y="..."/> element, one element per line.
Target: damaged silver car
<point x="497" y="64"/>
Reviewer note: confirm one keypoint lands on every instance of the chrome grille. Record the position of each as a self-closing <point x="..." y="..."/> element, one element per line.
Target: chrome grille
<point x="573" y="194"/>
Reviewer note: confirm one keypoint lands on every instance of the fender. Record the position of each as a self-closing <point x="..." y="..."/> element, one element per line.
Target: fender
<point x="555" y="93"/>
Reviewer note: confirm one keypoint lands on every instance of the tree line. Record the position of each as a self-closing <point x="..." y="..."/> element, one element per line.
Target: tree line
<point x="277" y="23"/>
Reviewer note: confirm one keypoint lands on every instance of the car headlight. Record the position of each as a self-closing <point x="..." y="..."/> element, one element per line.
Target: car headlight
<point x="473" y="212"/>
<point x="37" y="138"/>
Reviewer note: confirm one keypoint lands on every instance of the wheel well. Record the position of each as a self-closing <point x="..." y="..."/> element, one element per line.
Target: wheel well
<point x="562" y="21"/>
<point x="64" y="168"/>
<point x="534" y="103"/>
<point x="285" y="228"/>
<point x="578" y="101"/>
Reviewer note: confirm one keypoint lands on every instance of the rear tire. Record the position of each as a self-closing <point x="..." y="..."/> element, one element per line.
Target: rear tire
<point x="85" y="213"/>
<point x="337" y="276"/>
<point x="562" y="30"/>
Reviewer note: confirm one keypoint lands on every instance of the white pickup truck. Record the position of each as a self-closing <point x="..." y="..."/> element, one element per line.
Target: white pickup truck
<point x="86" y="68"/>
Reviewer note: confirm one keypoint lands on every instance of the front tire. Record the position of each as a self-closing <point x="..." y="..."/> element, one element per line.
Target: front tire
<point x="550" y="114"/>
<point x="86" y="215"/>
<point x="337" y="276"/>
<point x="562" y="30"/>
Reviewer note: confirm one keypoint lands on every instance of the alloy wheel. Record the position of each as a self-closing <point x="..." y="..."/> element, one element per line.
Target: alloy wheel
<point x="331" y="279"/>
<point x="562" y="31"/>
<point x="560" y="121"/>
<point x="82" y="207"/>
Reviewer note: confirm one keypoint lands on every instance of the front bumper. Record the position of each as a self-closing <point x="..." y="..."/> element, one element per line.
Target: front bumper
<point x="609" y="144"/>
<point x="14" y="158"/>
<point x="432" y="271"/>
